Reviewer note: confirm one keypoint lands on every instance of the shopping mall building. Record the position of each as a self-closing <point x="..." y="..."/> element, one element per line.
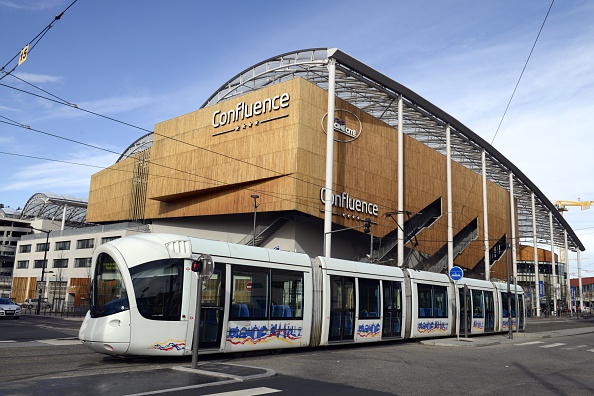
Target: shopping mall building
<point x="297" y="151"/>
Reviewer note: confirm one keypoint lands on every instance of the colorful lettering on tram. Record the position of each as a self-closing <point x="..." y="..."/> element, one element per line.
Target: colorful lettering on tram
<point x="261" y="334"/>
<point x="169" y="345"/>
<point x="369" y="330"/>
<point x="432" y="327"/>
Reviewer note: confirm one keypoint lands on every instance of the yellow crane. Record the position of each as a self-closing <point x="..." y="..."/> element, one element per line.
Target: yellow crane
<point x="562" y="205"/>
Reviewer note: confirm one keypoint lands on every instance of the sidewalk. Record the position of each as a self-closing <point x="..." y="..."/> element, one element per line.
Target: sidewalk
<point x="503" y="338"/>
<point x="141" y="382"/>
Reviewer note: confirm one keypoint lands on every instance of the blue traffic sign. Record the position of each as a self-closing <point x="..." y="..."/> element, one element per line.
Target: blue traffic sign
<point x="456" y="273"/>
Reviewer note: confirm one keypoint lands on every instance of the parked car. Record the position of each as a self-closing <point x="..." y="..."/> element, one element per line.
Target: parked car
<point x="31" y="303"/>
<point x="9" y="309"/>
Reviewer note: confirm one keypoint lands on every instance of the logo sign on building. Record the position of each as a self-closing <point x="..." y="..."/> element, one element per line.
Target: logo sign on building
<point x="250" y="114"/>
<point x="346" y="202"/>
<point x="346" y="123"/>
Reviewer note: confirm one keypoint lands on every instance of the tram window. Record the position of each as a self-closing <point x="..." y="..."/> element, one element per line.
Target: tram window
<point x="286" y="294"/>
<point x="249" y="295"/>
<point x="369" y="296"/>
<point x="433" y="301"/>
<point x="440" y="302"/>
<point x="158" y="287"/>
<point x="477" y="304"/>
<point x="108" y="294"/>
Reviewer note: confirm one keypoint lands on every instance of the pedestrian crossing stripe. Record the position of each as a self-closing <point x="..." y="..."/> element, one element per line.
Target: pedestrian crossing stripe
<point x="553" y="345"/>
<point x="532" y="343"/>
<point x="575" y="347"/>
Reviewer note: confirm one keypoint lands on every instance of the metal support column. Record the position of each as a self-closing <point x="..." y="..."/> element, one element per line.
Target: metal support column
<point x="579" y="263"/>
<point x="449" y="198"/>
<point x="400" y="215"/>
<point x="535" y="247"/>
<point x="512" y="215"/>
<point x="329" y="159"/>
<point x="485" y="218"/>
<point x="554" y="271"/>
<point x="567" y="276"/>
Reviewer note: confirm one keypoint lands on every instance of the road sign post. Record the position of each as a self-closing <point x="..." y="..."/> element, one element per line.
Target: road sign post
<point x="456" y="274"/>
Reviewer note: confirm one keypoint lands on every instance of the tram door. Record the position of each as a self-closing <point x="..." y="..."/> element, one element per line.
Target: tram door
<point x="489" y="312"/>
<point x="465" y="317"/>
<point x="213" y="303"/>
<point x="342" y="308"/>
<point x="392" y="324"/>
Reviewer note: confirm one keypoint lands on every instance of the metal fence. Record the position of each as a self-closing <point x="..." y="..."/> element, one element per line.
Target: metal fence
<point x="66" y="311"/>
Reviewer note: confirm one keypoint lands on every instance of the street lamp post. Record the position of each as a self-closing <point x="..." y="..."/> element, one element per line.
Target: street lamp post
<point x="43" y="266"/>
<point x="255" y="196"/>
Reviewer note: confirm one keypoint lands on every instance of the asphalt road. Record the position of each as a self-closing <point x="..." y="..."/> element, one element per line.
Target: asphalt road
<point x="553" y="357"/>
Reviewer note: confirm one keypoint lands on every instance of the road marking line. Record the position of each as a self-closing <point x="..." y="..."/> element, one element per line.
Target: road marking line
<point x="8" y="341"/>
<point x="575" y="347"/>
<point x="60" y="341"/>
<point x="553" y="345"/>
<point x="248" y="392"/>
<point x="590" y="350"/>
<point x="531" y="343"/>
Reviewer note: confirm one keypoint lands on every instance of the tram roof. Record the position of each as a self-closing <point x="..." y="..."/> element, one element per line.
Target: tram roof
<point x="377" y="94"/>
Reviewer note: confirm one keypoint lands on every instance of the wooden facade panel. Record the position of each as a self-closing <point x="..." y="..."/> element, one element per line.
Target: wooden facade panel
<point x="196" y="170"/>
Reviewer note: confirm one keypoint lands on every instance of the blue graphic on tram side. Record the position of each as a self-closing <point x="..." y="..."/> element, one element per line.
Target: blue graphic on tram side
<point x="432" y="327"/>
<point x="368" y="330"/>
<point x="258" y="334"/>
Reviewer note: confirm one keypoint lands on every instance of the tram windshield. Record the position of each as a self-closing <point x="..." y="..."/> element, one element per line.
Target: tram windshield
<point x="108" y="294"/>
<point x="158" y="287"/>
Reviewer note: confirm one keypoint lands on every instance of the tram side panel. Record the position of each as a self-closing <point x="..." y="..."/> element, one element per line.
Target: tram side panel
<point x="507" y="307"/>
<point x="361" y="302"/>
<point x="478" y="315"/>
<point x="431" y="313"/>
<point x="270" y="307"/>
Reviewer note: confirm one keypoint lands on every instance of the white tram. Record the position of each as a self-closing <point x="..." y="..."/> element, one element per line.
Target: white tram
<point x="144" y="294"/>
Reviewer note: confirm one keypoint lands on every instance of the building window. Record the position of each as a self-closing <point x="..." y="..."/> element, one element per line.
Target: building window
<point x="63" y="245"/>
<point x="39" y="263"/>
<point x="82" y="262"/>
<point x="25" y="249"/>
<point x="23" y="263"/>
<point x="85" y="243"/>
<point x="109" y="239"/>
<point x="42" y="247"/>
<point x="60" y="263"/>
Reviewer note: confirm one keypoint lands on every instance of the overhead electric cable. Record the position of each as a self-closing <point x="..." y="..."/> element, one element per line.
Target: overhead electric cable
<point x="33" y="43"/>
<point x="522" y="73"/>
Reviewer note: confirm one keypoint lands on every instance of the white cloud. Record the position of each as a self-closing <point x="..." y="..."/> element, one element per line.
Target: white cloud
<point x="37" y="78"/>
<point x="59" y="177"/>
<point x="32" y="5"/>
<point x="7" y="140"/>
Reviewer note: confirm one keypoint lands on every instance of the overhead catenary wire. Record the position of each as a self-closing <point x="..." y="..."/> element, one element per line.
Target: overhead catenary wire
<point x="72" y="105"/>
<point x="513" y="93"/>
<point x="33" y="43"/>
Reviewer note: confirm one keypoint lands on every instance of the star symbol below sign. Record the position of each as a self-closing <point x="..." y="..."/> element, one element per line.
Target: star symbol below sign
<point x="256" y="123"/>
<point x="244" y="126"/>
<point x="250" y="124"/>
<point x="237" y="128"/>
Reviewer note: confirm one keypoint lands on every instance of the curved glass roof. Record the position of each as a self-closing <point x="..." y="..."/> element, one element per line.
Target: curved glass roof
<point x="54" y="206"/>
<point x="378" y="95"/>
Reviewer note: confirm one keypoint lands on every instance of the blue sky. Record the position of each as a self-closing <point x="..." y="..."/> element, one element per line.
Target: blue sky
<point x="143" y="62"/>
